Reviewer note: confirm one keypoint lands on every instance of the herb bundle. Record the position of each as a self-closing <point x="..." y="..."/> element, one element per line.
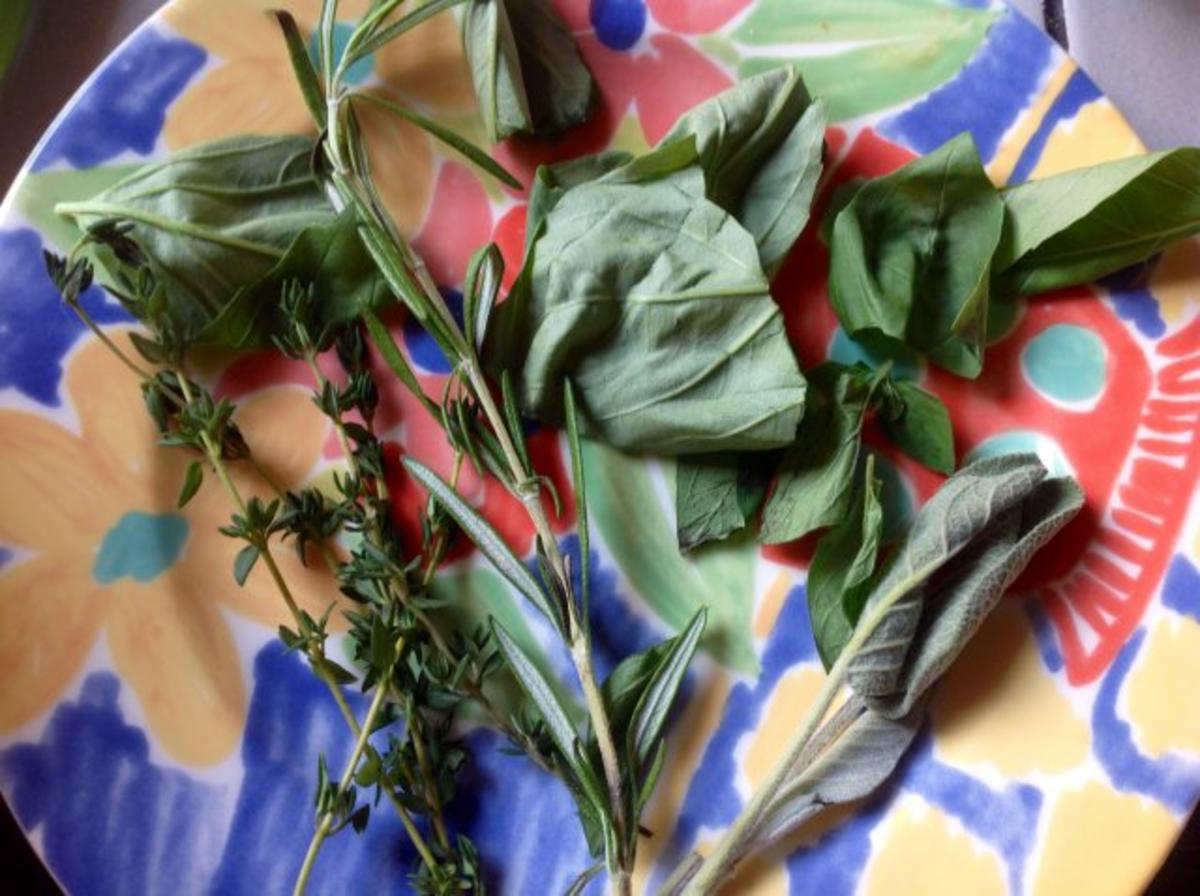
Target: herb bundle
<point x="642" y="319"/>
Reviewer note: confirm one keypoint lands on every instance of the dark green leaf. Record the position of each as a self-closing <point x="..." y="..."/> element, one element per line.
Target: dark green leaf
<point x="192" y="480"/>
<point x="717" y="494"/>
<point x="610" y="312"/>
<point x="920" y="427"/>
<point x="244" y="562"/>
<point x="213" y="219"/>
<point x="815" y="487"/>
<point x="910" y="257"/>
<point x="332" y="259"/>
<point x="995" y="513"/>
<point x="1081" y="225"/>
<point x="760" y="144"/>
<point x="396" y="361"/>
<point x="658" y="695"/>
<point x="841" y="570"/>
<point x="486" y="538"/>
<point x="528" y="74"/>
<point x="302" y="66"/>
<point x="543" y="695"/>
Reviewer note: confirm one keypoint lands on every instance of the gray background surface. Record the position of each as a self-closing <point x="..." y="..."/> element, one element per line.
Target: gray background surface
<point x="1142" y="53"/>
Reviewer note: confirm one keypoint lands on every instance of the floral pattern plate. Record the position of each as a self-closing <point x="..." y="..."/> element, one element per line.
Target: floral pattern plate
<point x="155" y="737"/>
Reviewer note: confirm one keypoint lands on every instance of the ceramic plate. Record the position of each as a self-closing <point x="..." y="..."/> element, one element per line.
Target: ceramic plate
<point x="154" y="736"/>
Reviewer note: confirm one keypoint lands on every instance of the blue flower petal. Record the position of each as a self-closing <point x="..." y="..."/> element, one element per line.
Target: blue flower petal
<point x="618" y="23"/>
<point x="124" y="107"/>
<point x="36" y="328"/>
<point x="422" y="348"/>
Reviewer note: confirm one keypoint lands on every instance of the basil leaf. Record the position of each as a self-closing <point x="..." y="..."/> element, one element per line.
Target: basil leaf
<point x="718" y="494"/>
<point x="815" y="486"/>
<point x="842" y="568"/>
<point x="1078" y="226"/>
<point x="332" y="259"/>
<point x="862" y="758"/>
<point x="622" y="275"/>
<point x="995" y="513"/>
<point x="760" y="144"/>
<point x="213" y="219"/>
<point x="910" y="257"/>
<point x="527" y="71"/>
<point x="919" y="424"/>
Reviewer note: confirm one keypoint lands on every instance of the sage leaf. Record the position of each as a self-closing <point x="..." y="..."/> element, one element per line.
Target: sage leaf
<point x="858" y="762"/>
<point x="622" y="275"/>
<point x="486" y="538"/>
<point x="815" y="485"/>
<point x="841" y="570"/>
<point x="760" y="144"/>
<point x="992" y="505"/>
<point x="527" y="71"/>
<point x="910" y="257"/>
<point x="213" y="219"/>
<point x="1078" y="226"/>
<point x="331" y="258"/>
<point x="918" y="422"/>
<point x="718" y="494"/>
<point x="961" y="595"/>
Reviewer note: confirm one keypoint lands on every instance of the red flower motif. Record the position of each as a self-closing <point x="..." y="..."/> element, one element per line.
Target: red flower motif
<point x="695" y="16"/>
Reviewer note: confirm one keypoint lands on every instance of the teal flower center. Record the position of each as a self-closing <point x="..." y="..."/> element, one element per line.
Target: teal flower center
<point x="141" y="546"/>
<point x="358" y="72"/>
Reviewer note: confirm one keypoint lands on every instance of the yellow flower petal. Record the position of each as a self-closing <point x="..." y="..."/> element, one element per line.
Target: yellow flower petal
<point x="51" y="487"/>
<point x="50" y="612"/>
<point x="428" y="66"/>
<point x="230" y="100"/>
<point x="401" y="161"/>
<point x="172" y="647"/>
<point x="1154" y="709"/>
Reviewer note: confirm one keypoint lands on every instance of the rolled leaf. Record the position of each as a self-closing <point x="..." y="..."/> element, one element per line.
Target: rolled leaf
<point x="544" y="697"/>
<point x="527" y="71"/>
<point x="650" y="714"/>
<point x="910" y="257"/>
<point x="1078" y="226"/>
<point x="760" y="144"/>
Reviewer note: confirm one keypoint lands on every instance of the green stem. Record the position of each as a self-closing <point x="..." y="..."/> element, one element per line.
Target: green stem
<point x="133" y="366"/>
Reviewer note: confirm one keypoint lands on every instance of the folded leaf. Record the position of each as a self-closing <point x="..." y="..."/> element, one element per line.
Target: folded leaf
<point x="841" y="570"/>
<point x="760" y="144"/>
<point x="910" y="257"/>
<point x="995" y="512"/>
<point x="655" y="701"/>
<point x="816" y="476"/>
<point x="1078" y="226"/>
<point x="527" y="71"/>
<point x="213" y="219"/>
<point x="718" y="494"/>
<point x="332" y="259"/>
<point x="918" y="422"/>
<point x="622" y="275"/>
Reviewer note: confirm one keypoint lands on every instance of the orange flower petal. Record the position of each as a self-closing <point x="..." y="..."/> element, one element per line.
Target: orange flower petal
<point x="285" y="431"/>
<point x="240" y="29"/>
<point x="401" y="160"/>
<point x="50" y="613"/>
<point x="171" y="644"/>
<point x="50" y="485"/>
<point x="231" y="100"/>
<point x="427" y="65"/>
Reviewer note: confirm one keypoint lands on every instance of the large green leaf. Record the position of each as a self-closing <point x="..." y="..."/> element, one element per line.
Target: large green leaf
<point x="528" y="74"/>
<point x="219" y="218"/>
<point x="622" y="275"/>
<point x="1081" y="225"/>
<point x="865" y="56"/>
<point x="717" y="494"/>
<point x="760" y="144"/>
<point x="910" y="257"/>
<point x="629" y="512"/>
